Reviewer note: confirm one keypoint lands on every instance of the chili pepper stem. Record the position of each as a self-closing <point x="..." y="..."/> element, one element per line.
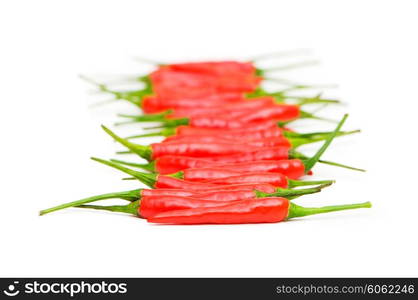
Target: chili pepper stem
<point x="308" y="115"/>
<point x="314" y="159"/>
<point x="296" y="211"/>
<point x="160" y="117"/>
<point x="148" y="179"/>
<point x="118" y="95"/>
<point x="290" y="193"/>
<point x="126" y="195"/>
<point x="165" y="132"/>
<point x="148" y="167"/>
<point x="331" y="163"/>
<point x="143" y="151"/>
<point x="295" y="183"/>
<point x="131" y="208"/>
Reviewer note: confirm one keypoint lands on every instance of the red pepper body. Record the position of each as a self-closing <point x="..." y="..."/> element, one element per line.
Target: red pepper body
<point x="275" y="179"/>
<point x="196" y="149"/>
<point x="264" y="142"/>
<point x="226" y="123"/>
<point x="220" y="68"/>
<point x="155" y="104"/>
<point x="230" y="109"/>
<point x="166" y="192"/>
<point x="247" y="133"/>
<point x="152" y="205"/>
<point x="282" y="112"/>
<point x="167" y="182"/>
<point x="292" y="168"/>
<point x="228" y="195"/>
<point x="173" y="163"/>
<point x="268" y="153"/>
<point x="261" y="210"/>
<point x="166" y="81"/>
<point x="226" y="176"/>
<point x="237" y="192"/>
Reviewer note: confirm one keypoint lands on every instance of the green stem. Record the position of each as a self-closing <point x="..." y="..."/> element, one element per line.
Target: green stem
<point x="318" y="134"/>
<point x="165" y="132"/>
<point x="331" y="163"/>
<point x="148" y="179"/>
<point x="143" y="151"/>
<point x="148" y="167"/>
<point x="314" y="159"/>
<point x="295" y="183"/>
<point x="126" y="195"/>
<point x="296" y="211"/>
<point x="295" y="154"/>
<point x="296" y="142"/>
<point x="131" y="208"/>
<point x="133" y="96"/>
<point x="289" y="193"/>
<point x="308" y="115"/>
<point x="160" y="117"/>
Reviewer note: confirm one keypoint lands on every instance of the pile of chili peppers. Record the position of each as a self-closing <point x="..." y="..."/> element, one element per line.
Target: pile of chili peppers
<point x="228" y="155"/>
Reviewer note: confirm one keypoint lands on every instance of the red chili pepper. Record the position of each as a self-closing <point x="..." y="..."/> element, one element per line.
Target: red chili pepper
<point x="206" y="178"/>
<point x="262" y="210"/>
<point x="261" y="154"/>
<point x="278" y="112"/>
<point x="236" y="108"/>
<point x="208" y="150"/>
<point x="195" y="211"/>
<point x="156" y="104"/>
<point x="177" y="83"/>
<point x="237" y="134"/>
<point x="159" y="200"/>
<point x="175" y="182"/>
<point x="266" y="142"/>
<point x="218" y="68"/>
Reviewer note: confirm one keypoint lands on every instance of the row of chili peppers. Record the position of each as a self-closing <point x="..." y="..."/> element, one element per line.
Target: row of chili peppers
<point x="228" y="155"/>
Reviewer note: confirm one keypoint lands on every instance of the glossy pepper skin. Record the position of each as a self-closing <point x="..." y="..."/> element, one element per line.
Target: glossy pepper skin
<point x="275" y="179"/>
<point x="175" y="183"/>
<point x="157" y="104"/>
<point x="236" y="107"/>
<point x="152" y="205"/>
<point x="179" y="83"/>
<point x="216" y="68"/>
<point x="261" y="210"/>
<point x="278" y="112"/>
<point x="291" y="168"/>
<point x="264" y="142"/>
<point x="172" y="164"/>
<point x="226" y="153"/>
<point x="248" y="133"/>
<point x="203" y="149"/>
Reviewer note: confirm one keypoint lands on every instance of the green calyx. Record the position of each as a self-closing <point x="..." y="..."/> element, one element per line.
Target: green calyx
<point x="148" y="179"/>
<point x="159" y="117"/>
<point x="131" y="208"/>
<point x="147" y="167"/>
<point x="134" y="97"/>
<point x="142" y="151"/>
<point x="292" y="193"/>
<point x="296" y="211"/>
<point x="132" y="195"/>
<point x="169" y="131"/>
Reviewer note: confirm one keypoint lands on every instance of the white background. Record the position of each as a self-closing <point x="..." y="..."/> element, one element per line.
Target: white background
<point x="48" y="133"/>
